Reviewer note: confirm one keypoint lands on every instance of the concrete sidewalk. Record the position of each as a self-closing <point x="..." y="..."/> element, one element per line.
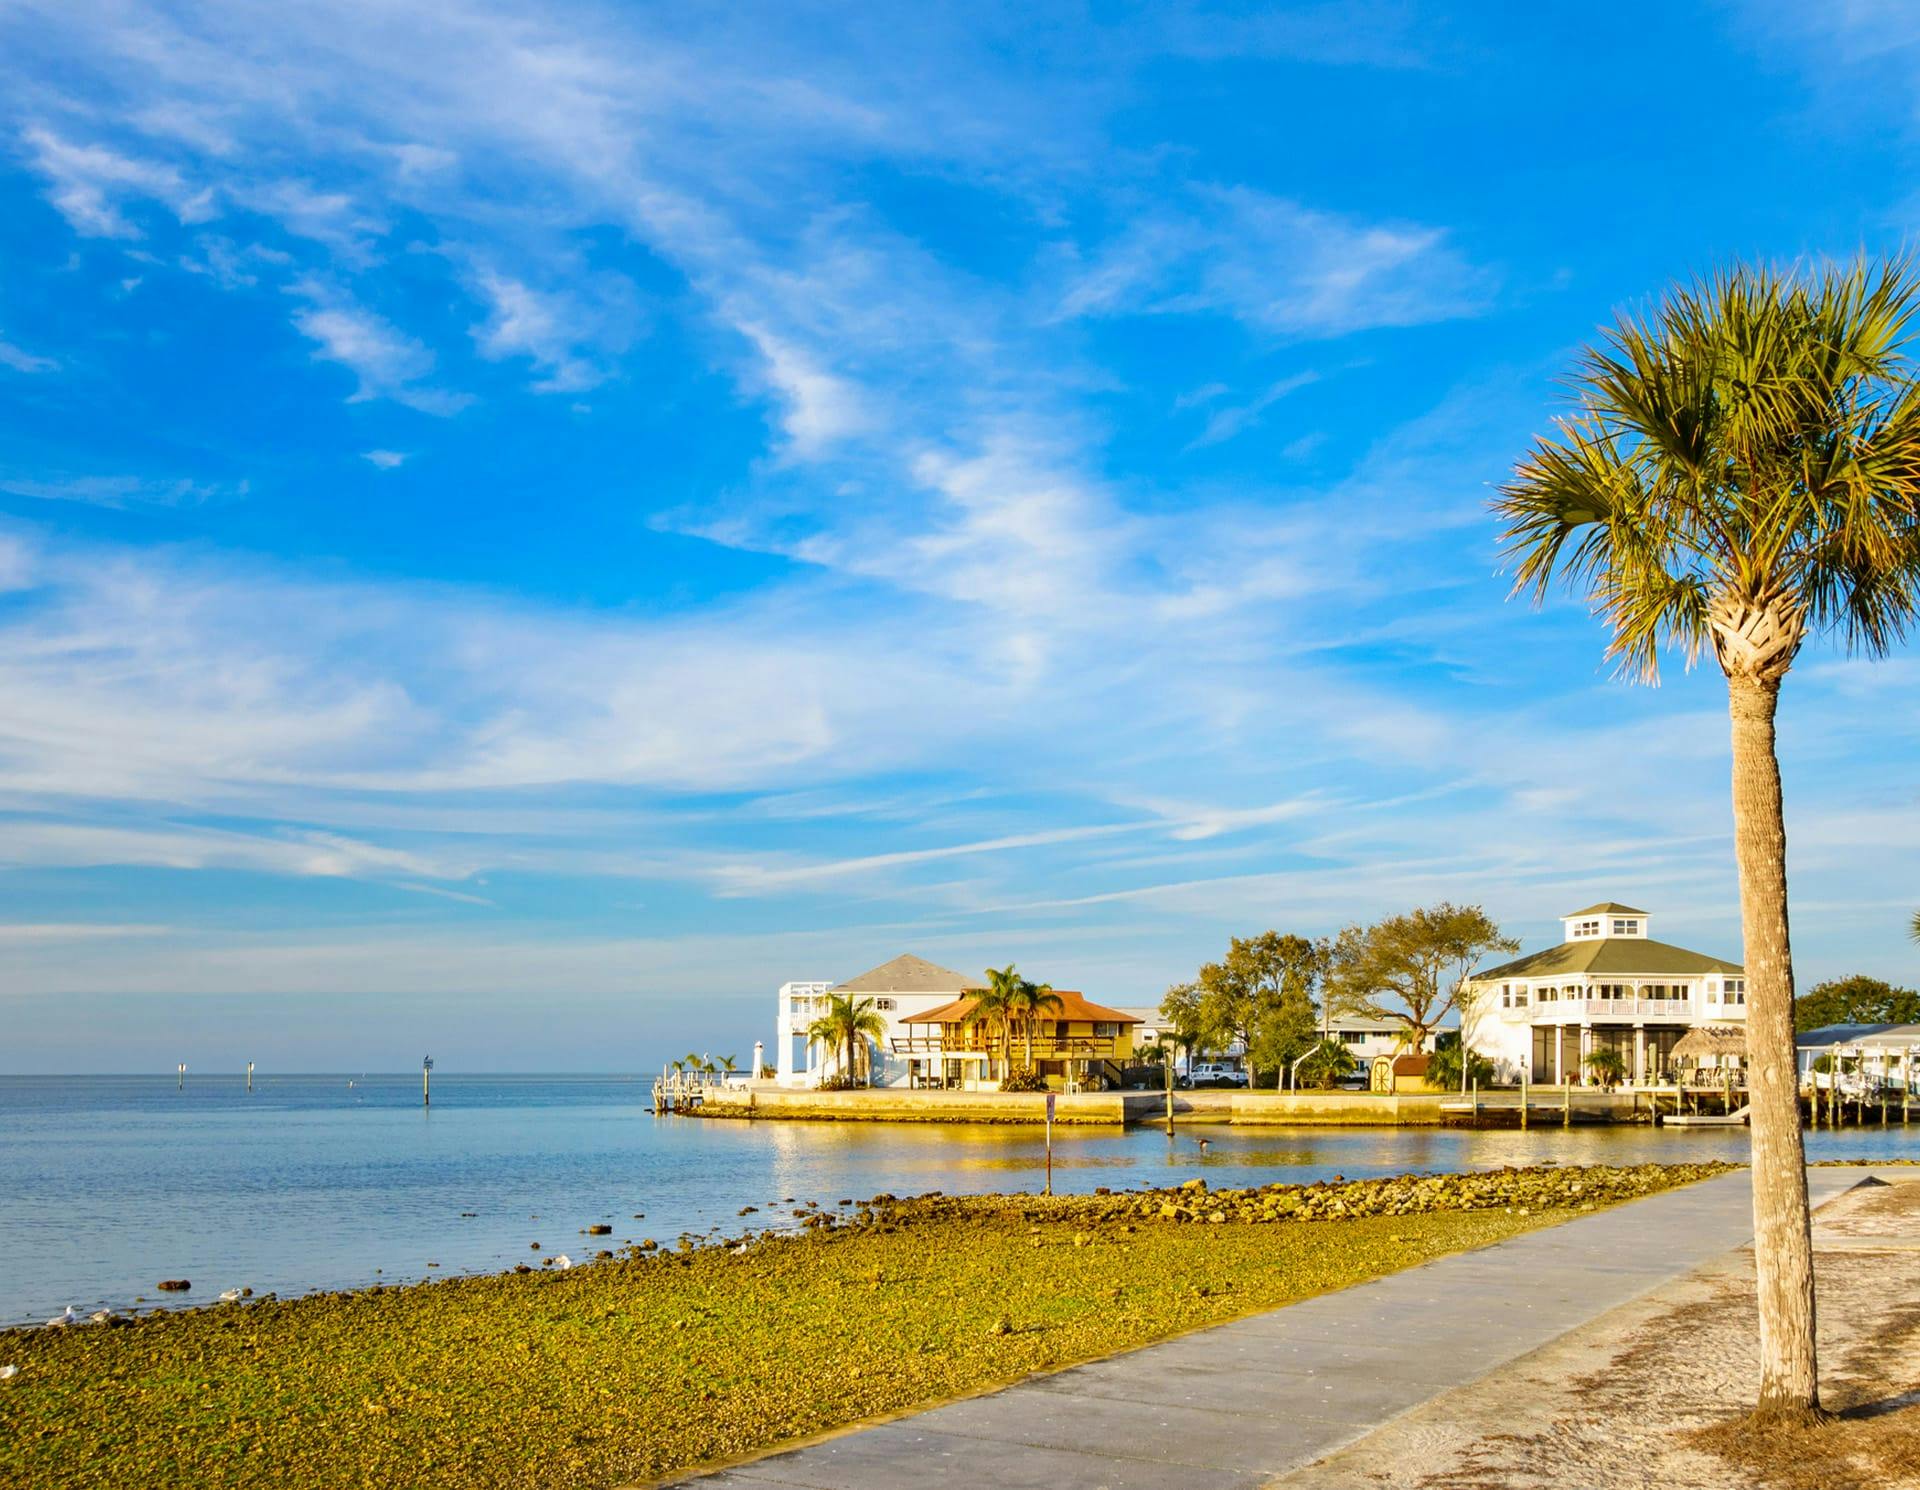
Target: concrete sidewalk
<point x="1233" y="1406"/>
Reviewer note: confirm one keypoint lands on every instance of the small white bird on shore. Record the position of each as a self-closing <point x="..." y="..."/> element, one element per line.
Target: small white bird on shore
<point x="563" y="1262"/>
<point x="7" y="1373"/>
<point x="69" y="1317"/>
<point x="231" y="1296"/>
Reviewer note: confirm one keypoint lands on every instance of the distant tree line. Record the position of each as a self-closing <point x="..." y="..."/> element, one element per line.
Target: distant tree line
<point x="1858" y="999"/>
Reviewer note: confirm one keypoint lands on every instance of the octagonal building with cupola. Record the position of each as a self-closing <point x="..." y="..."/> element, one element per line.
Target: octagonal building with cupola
<point x="1608" y="986"/>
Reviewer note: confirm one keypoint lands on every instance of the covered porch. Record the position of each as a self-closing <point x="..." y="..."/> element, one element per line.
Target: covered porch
<point x="1647" y="1052"/>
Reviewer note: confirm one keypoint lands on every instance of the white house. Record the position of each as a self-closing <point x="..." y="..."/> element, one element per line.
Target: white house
<point x="1609" y="985"/>
<point x="900" y="989"/>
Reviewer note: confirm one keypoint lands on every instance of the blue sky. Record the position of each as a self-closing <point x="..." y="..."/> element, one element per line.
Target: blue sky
<point x="522" y="529"/>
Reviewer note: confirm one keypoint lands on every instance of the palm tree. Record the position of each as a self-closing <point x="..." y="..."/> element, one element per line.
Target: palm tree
<point x="993" y="1007"/>
<point x="1740" y="469"/>
<point x="1609" y="1066"/>
<point x="1326" y="1063"/>
<point x="1027" y="1003"/>
<point x="847" y="1020"/>
<point x="1914" y="930"/>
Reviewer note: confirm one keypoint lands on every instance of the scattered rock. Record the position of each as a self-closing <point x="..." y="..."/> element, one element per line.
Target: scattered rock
<point x="600" y="1229"/>
<point x="173" y="1285"/>
<point x="533" y="1246"/>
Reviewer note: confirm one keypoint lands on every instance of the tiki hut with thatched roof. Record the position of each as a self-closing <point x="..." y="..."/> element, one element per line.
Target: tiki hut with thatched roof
<point x="1720" y="1044"/>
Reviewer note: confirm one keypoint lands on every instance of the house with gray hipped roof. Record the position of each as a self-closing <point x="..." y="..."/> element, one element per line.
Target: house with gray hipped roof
<point x="1608" y="985"/>
<point x="901" y="988"/>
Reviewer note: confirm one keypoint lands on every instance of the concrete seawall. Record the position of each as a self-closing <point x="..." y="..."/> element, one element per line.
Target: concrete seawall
<point x="1109" y="1109"/>
<point x="1336" y="1109"/>
<point x="885" y="1105"/>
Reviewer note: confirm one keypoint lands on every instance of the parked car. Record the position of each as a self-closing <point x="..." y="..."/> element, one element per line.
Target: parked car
<point x="1212" y="1073"/>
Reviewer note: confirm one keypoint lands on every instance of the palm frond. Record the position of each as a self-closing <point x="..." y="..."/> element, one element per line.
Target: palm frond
<point x="1751" y="441"/>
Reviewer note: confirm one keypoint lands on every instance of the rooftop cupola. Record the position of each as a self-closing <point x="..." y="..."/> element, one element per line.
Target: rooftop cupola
<point x="1609" y="918"/>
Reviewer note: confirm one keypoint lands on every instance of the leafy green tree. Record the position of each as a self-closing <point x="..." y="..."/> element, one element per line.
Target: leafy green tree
<point x="1855" y="1000"/>
<point x="1180" y="1011"/>
<point x="1326" y="1063"/>
<point x="1741" y="468"/>
<point x="844" y="1025"/>
<point x="1414" y="967"/>
<point x="1261" y="996"/>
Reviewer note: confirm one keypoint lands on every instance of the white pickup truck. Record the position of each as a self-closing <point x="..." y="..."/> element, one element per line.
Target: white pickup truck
<point x="1211" y="1073"/>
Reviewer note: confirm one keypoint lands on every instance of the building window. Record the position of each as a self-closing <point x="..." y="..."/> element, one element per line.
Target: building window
<point x="1519" y="995"/>
<point x="1625" y="928"/>
<point x="884" y="1005"/>
<point x="1353" y="1037"/>
<point x="1586" y="928"/>
<point x="1105" y="1031"/>
<point x="1736" y="990"/>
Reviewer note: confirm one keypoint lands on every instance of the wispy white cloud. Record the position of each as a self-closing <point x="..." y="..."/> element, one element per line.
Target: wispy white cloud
<point x="91" y="183"/>
<point x="386" y="460"/>
<point x="122" y="491"/>
<point x="1225" y="423"/>
<point x="562" y="333"/>
<point x="1279" y="265"/>
<point x="387" y="362"/>
<point x="24" y="361"/>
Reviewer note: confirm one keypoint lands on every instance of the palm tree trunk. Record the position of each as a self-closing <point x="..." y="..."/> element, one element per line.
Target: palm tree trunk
<point x="1783" y="1242"/>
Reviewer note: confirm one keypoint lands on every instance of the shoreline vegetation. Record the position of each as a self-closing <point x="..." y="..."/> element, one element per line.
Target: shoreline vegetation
<point x="653" y="1361"/>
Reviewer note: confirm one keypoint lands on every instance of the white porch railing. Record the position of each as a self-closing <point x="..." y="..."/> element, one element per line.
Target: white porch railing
<point x="1555" y="1011"/>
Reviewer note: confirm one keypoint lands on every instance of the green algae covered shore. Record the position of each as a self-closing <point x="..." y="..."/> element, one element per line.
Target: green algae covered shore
<point x="633" y="1367"/>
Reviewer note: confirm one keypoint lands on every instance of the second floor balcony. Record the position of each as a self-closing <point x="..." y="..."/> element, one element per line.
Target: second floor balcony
<point x="1575" y="1009"/>
<point x="936" y="1041"/>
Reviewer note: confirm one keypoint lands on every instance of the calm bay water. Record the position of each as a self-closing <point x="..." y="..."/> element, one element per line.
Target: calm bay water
<point x="108" y="1184"/>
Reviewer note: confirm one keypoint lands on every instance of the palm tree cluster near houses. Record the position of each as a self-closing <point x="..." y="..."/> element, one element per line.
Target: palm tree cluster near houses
<point x="845" y="1027"/>
<point x="1275" y="995"/>
<point x="1740" y="469"/>
<point x="703" y="1065"/>
<point x="1010" y="1006"/>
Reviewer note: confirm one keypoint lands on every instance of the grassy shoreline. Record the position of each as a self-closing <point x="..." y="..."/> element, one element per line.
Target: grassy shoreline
<point x="635" y="1367"/>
